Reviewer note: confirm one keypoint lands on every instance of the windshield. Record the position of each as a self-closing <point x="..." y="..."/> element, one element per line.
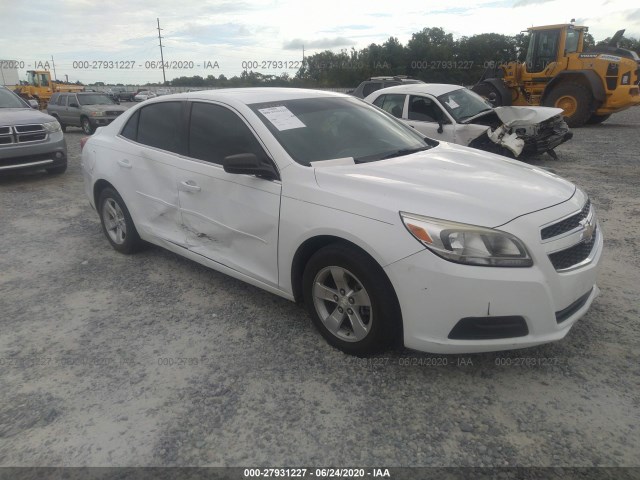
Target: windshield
<point x="95" y="100"/>
<point x="463" y="104"/>
<point x="10" y="100"/>
<point x="314" y="129"/>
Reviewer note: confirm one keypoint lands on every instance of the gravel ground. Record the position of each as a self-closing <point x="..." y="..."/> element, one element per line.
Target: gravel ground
<point x="151" y="359"/>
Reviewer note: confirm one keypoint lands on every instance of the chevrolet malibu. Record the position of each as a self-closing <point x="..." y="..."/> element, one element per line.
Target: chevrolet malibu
<point x="320" y="197"/>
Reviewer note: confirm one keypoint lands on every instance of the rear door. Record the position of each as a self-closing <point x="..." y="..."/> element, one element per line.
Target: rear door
<point x="148" y="166"/>
<point x="229" y="218"/>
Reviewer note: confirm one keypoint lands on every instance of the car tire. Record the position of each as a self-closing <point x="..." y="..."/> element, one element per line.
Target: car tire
<point x="57" y="170"/>
<point x="86" y="126"/>
<point x="574" y="99"/>
<point x="351" y="301"/>
<point x="117" y="223"/>
<point x="596" y="119"/>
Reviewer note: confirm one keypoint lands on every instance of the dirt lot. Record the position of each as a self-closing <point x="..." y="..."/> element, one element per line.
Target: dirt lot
<point x="151" y="359"/>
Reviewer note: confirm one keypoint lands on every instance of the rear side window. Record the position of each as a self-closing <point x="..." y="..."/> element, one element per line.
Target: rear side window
<point x="130" y="130"/>
<point x="62" y="100"/>
<point x="392" y="103"/>
<point x="369" y="88"/>
<point x="159" y="126"/>
<point x="217" y="132"/>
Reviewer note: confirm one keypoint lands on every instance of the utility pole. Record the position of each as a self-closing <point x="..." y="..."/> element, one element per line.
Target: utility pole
<point x="55" y="75"/>
<point x="164" y="78"/>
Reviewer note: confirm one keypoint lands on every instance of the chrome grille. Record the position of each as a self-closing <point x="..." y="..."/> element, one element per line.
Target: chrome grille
<point x="113" y="113"/>
<point x="22" y="134"/>
<point x="567" y="224"/>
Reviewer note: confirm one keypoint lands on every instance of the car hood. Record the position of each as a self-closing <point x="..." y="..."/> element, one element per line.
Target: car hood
<point x="22" y="116"/>
<point x="449" y="182"/>
<point x="520" y="116"/>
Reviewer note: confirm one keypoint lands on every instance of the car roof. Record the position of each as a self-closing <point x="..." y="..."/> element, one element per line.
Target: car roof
<point x="435" y="89"/>
<point x="252" y="95"/>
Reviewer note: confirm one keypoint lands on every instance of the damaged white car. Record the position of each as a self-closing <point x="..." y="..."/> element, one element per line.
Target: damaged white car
<point x="456" y="114"/>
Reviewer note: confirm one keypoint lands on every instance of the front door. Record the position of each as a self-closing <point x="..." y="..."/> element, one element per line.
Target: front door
<point x="425" y="115"/>
<point x="229" y="218"/>
<point x="149" y="168"/>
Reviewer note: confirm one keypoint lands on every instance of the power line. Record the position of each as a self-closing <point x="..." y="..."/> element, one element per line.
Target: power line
<point x="164" y="78"/>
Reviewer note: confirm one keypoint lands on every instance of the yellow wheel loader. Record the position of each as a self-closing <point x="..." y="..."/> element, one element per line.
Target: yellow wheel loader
<point x="588" y="85"/>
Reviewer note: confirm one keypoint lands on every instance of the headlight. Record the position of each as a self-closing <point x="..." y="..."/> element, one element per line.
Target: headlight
<point x="468" y="244"/>
<point x="97" y="114"/>
<point x="52" y="127"/>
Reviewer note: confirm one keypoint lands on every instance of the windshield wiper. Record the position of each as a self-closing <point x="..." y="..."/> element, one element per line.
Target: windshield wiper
<point x="404" y="151"/>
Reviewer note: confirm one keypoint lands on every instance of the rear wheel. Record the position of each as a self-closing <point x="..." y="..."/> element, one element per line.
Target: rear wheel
<point x="117" y="224"/>
<point x="595" y="119"/>
<point x="351" y="300"/>
<point x="574" y="99"/>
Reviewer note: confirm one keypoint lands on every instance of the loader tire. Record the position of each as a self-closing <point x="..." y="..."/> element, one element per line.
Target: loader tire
<point x="574" y="99"/>
<point x="595" y="119"/>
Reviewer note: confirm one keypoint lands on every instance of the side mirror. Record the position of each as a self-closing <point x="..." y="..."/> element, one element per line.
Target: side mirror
<point x="440" y="123"/>
<point x="250" y="164"/>
<point x="33" y="104"/>
<point x="74" y="105"/>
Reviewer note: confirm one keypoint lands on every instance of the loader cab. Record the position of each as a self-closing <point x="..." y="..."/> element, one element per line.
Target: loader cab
<point x="552" y="44"/>
<point x="38" y="79"/>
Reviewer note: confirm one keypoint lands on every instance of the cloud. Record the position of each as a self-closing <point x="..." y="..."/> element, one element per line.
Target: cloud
<point x="298" y="43"/>
<point x="523" y="3"/>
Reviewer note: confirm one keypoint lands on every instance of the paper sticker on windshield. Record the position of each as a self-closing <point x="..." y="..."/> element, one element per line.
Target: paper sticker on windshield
<point x="452" y="103"/>
<point x="281" y="118"/>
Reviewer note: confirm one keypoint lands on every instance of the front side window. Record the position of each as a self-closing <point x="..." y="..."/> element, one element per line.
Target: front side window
<point x="216" y="132"/>
<point x="424" y="109"/>
<point x="160" y="126"/>
<point x="314" y="129"/>
<point x="392" y="103"/>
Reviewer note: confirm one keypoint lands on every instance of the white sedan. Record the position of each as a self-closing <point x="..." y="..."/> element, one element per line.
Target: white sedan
<point x="144" y="95"/>
<point x="320" y="197"/>
<point x="456" y="114"/>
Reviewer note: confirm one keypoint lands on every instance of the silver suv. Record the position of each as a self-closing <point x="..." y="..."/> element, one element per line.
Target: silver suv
<point x="29" y="139"/>
<point x="88" y="110"/>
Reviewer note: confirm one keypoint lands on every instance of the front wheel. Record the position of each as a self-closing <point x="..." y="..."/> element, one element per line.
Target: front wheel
<point x="117" y="224"/>
<point x="86" y="126"/>
<point x="574" y="99"/>
<point x="351" y="301"/>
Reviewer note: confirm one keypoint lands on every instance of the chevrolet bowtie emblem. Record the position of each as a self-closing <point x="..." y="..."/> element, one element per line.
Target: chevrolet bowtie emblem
<point x="589" y="230"/>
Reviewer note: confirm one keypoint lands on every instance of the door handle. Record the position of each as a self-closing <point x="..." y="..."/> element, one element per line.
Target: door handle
<point x="125" y="163"/>
<point x="189" y="186"/>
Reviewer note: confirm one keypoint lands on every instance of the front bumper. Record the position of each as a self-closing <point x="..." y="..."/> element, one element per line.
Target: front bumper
<point x="21" y="157"/>
<point x="101" y="121"/>
<point x="435" y="295"/>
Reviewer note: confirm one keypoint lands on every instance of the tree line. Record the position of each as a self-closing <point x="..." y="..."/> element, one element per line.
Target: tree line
<point x="431" y="55"/>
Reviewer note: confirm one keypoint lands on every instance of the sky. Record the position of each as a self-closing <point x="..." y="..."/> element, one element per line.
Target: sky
<point x="213" y="37"/>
